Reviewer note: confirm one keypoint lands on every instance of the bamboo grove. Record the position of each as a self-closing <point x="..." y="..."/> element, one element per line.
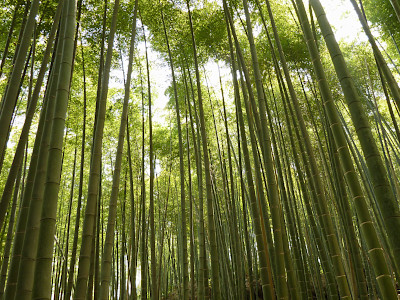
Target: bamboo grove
<point x="272" y="172"/>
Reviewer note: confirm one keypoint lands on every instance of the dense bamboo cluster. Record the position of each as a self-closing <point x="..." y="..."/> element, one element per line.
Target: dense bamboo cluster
<point x="277" y="180"/>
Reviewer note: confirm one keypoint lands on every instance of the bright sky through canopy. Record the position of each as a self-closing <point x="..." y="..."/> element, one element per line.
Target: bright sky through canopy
<point x="340" y="13"/>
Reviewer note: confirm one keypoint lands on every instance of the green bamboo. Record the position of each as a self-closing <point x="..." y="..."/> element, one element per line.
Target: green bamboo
<point x="210" y="214"/>
<point x="134" y="240"/>
<point x="393" y="86"/>
<point x="201" y="281"/>
<point x="70" y="279"/>
<point x="368" y="231"/>
<point x="384" y="195"/>
<point x="11" y="94"/>
<point x="42" y="282"/>
<point x="33" y="195"/>
<point x="18" y="156"/>
<point x="396" y="7"/>
<point x="88" y="224"/>
<point x="9" y="36"/>
<point x="107" y="251"/>
<point x="185" y="274"/>
<point x="10" y="232"/>
<point x="324" y="212"/>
